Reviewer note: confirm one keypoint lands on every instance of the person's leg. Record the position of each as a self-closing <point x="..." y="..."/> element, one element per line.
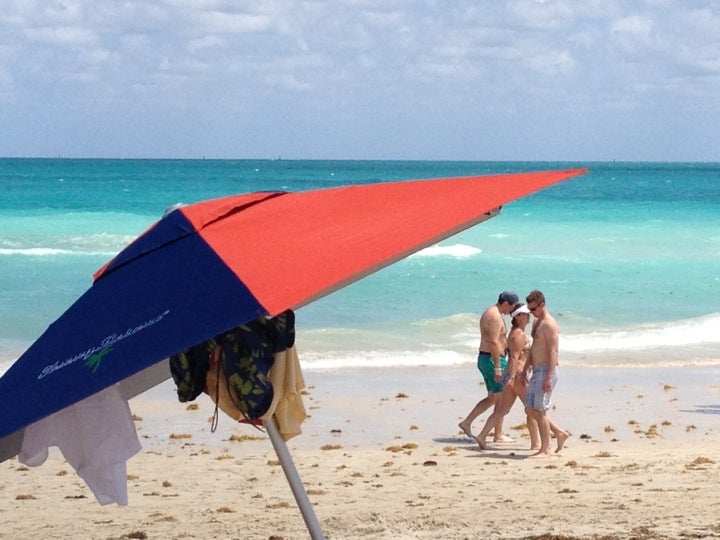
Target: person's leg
<point x="481" y="406"/>
<point x="560" y="434"/>
<point x="489" y="423"/>
<point x="487" y="370"/>
<point x="502" y="408"/>
<point x="537" y="402"/>
<point x="503" y="403"/>
<point x="544" y="430"/>
<point x="533" y="387"/>
<point x="520" y="386"/>
<point x="534" y="432"/>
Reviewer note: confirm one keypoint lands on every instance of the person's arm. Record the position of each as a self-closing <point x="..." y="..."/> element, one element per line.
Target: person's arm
<point x="551" y="343"/>
<point x="498" y="350"/>
<point x="529" y="359"/>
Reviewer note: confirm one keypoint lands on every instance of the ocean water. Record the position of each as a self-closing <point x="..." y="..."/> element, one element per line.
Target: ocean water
<point x="628" y="256"/>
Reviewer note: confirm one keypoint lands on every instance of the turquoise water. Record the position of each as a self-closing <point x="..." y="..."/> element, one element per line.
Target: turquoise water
<point x="628" y="256"/>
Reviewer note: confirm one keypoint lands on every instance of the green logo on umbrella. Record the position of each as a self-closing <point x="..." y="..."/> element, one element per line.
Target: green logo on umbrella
<point x="93" y="362"/>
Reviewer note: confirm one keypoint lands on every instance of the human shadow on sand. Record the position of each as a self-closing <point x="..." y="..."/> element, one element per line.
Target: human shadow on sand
<point x="506" y="451"/>
<point x="704" y="409"/>
<point x="460" y="439"/>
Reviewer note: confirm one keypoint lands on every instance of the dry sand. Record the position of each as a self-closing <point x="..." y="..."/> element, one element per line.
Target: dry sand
<point x="381" y="457"/>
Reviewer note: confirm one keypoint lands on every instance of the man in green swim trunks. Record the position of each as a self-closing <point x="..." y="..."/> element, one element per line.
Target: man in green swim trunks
<point x="491" y="359"/>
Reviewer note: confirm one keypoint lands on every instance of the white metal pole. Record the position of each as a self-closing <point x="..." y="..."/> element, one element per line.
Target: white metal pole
<point x="293" y="478"/>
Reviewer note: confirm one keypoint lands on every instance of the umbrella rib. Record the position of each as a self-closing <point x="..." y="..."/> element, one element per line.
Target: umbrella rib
<point x="270" y="195"/>
<point x="237" y="209"/>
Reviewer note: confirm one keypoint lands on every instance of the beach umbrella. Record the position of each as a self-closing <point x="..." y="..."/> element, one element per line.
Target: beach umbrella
<point x="208" y="267"/>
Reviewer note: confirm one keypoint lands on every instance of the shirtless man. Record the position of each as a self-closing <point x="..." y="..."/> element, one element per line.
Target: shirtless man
<point x="544" y="362"/>
<point x="491" y="359"/>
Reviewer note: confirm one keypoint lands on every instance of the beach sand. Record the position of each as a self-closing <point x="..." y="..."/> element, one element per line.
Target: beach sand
<point x="381" y="457"/>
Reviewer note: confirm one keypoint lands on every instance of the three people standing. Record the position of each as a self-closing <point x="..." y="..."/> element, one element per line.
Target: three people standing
<point x="507" y="380"/>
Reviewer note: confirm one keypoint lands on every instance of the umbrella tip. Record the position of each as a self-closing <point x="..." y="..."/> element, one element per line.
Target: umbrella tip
<point x="170" y="209"/>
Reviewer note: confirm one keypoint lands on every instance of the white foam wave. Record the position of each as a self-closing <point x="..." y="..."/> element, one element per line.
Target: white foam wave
<point x="381" y="359"/>
<point x="37" y="252"/>
<point x="453" y="340"/>
<point x="104" y="244"/>
<point x="692" y="332"/>
<point x="642" y="361"/>
<point x="47" y="252"/>
<point x="458" y="251"/>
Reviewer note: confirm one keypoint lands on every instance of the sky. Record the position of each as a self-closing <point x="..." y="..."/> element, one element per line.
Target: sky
<point x="526" y="80"/>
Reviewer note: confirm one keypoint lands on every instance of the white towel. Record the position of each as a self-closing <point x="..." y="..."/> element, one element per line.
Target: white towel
<point x="96" y="436"/>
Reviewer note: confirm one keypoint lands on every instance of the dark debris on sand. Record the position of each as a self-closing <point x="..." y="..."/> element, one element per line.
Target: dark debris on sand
<point x="638" y="533"/>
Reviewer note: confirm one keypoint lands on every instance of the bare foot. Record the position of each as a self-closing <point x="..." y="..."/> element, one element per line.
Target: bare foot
<point x="481" y="443"/>
<point x="540" y="455"/>
<point x="561" y="438"/>
<point x="535" y="449"/>
<point x="466" y="429"/>
<point x="503" y="439"/>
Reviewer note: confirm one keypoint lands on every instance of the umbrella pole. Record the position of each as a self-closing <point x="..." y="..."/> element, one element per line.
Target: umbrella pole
<point x="293" y="478"/>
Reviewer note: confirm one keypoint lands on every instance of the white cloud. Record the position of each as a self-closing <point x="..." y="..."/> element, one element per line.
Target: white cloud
<point x="287" y="81"/>
<point x="632" y="32"/>
<point x="217" y="21"/>
<point x="61" y="35"/>
<point x="204" y="43"/>
<point x="551" y="63"/>
<point x="541" y="14"/>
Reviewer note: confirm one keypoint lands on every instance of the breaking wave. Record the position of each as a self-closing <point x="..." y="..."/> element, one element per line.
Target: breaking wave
<point x="93" y="244"/>
<point x="458" y="251"/>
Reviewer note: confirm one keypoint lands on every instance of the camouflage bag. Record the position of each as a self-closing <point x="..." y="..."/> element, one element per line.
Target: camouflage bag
<point x="189" y="369"/>
<point x="247" y="356"/>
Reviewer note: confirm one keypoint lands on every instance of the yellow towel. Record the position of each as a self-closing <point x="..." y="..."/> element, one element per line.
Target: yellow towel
<point x="287" y="404"/>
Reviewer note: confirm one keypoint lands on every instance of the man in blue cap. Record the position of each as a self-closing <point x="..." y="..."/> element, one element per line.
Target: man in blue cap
<point x="491" y="359"/>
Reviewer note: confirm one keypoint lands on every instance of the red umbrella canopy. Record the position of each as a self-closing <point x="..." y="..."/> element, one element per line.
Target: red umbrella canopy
<point x="291" y="249"/>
